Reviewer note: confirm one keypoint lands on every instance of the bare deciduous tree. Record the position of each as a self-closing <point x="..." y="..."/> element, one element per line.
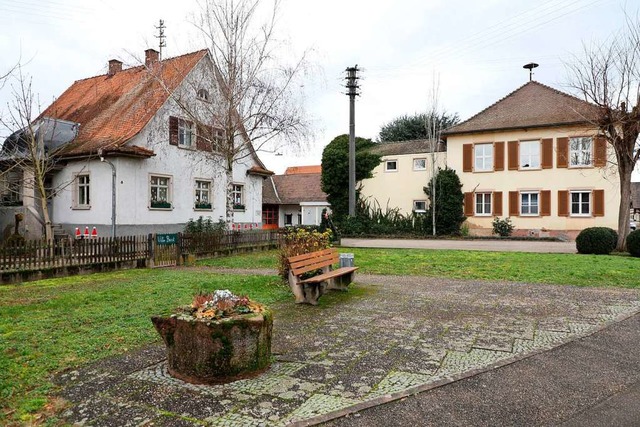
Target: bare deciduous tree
<point x="608" y="75"/>
<point x="28" y="154"/>
<point x="258" y="103"/>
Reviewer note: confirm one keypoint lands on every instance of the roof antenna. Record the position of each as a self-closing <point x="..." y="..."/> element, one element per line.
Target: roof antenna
<point x="530" y="66"/>
<point x="161" y="37"/>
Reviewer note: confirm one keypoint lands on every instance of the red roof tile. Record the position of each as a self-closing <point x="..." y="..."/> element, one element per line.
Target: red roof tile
<point x="112" y="109"/>
<point x="531" y="105"/>
<point x="293" y="189"/>
<point x="292" y="170"/>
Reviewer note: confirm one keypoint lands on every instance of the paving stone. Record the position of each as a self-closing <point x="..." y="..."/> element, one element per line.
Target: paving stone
<point x="402" y="333"/>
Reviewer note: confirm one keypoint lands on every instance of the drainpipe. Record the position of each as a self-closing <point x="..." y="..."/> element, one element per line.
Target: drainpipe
<point x="113" y="192"/>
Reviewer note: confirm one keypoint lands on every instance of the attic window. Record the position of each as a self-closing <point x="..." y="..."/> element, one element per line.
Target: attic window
<point x="203" y="94"/>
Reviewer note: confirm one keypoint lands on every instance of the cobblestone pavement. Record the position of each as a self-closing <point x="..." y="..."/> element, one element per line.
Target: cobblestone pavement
<point x="388" y="337"/>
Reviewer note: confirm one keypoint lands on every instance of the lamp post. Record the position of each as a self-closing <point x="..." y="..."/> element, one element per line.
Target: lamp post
<point x="113" y="192"/>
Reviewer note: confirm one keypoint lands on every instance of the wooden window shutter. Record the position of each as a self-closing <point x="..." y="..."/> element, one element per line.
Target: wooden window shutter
<point x="467" y="158"/>
<point x="173" y="130"/>
<point x="598" y="202"/>
<point x="514" y="207"/>
<point x="512" y="149"/>
<point x="468" y="204"/>
<point x="545" y="203"/>
<point x="498" y="156"/>
<point x="547" y="153"/>
<point x="563" y="203"/>
<point x="562" y="158"/>
<point x="497" y="203"/>
<point x="203" y="139"/>
<point x="600" y="152"/>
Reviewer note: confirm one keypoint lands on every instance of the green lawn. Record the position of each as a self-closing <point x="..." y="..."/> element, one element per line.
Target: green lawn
<point x="569" y="269"/>
<point x="50" y="325"/>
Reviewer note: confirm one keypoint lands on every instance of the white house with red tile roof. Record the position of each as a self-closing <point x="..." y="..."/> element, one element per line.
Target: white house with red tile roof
<point x="165" y="171"/>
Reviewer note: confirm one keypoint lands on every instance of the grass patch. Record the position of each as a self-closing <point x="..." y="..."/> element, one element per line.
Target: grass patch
<point x="560" y="269"/>
<point x="51" y="325"/>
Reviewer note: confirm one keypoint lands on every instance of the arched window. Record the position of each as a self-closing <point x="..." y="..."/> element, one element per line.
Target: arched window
<point x="203" y="94"/>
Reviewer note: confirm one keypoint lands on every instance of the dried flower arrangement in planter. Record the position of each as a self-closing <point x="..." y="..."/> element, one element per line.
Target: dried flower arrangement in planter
<point x="220" y="337"/>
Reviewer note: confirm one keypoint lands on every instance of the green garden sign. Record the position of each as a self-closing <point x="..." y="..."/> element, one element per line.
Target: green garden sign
<point x="167" y="239"/>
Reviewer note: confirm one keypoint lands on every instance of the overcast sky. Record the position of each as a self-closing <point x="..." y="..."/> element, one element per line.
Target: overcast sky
<point x="475" y="48"/>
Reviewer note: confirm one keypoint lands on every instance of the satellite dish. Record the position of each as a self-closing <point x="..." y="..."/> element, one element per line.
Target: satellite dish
<point x="530" y="66"/>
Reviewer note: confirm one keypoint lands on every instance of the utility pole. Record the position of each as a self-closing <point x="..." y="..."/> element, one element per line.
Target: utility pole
<point x="352" y="91"/>
<point x="162" y="42"/>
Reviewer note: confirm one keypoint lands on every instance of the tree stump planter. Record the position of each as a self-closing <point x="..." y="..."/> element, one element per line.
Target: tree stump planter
<point x="216" y="351"/>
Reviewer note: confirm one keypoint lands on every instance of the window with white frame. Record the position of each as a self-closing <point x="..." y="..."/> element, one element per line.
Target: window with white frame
<point x="419" y="164"/>
<point x="160" y="192"/>
<point x="483" y="156"/>
<point x="530" y="154"/>
<point x="529" y="203"/>
<point x="203" y="194"/>
<point x="580" y="151"/>
<point x="186" y="134"/>
<point x="483" y="204"/>
<point x="580" y="203"/>
<point x="238" y="196"/>
<point x="420" y="206"/>
<point x="83" y="191"/>
<point x="391" y="166"/>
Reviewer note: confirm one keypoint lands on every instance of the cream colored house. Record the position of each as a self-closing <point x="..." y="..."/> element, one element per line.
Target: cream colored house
<point x="533" y="156"/>
<point x="404" y="171"/>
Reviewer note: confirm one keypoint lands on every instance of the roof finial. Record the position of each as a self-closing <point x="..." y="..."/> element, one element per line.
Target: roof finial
<point x="530" y="66"/>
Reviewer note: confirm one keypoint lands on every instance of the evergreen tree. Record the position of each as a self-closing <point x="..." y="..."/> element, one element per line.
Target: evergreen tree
<point x="405" y="128"/>
<point x="448" y="204"/>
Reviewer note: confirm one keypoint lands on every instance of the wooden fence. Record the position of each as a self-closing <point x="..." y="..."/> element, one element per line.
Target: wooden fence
<point x="36" y="255"/>
<point x="39" y="255"/>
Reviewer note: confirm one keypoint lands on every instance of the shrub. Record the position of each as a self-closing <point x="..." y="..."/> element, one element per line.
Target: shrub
<point x="596" y="240"/>
<point x="205" y="225"/>
<point x="298" y="241"/>
<point x="633" y="243"/>
<point x="502" y="227"/>
<point x="448" y="203"/>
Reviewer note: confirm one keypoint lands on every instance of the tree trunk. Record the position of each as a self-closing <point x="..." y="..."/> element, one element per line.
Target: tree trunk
<point x="624" y="171"/>
<point x="230" y="201"/>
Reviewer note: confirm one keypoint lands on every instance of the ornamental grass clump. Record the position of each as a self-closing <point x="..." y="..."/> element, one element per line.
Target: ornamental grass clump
<point x="219" y="304"/>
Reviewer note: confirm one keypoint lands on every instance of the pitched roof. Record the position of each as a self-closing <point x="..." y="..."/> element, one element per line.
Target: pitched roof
<point x="293" y="189"/>
<point x="531" y="105"/>
<point x="303" y="169"/>
<point x="416" y="146"/>
<point x="112" y="109"/>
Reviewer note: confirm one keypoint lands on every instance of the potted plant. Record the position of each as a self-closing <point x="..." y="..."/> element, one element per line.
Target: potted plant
<point x="220" y="337"/>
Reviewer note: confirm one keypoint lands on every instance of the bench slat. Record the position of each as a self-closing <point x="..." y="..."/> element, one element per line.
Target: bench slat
<point x="334" y="273"/>
<point x="301" y="267"/>
<point x="310" y="255"/>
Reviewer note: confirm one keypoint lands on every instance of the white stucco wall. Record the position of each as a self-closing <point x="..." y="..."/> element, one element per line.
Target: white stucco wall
<point x="183" y="167"/>
<point x="400" y="188"/>
<point x="554" y="179"/>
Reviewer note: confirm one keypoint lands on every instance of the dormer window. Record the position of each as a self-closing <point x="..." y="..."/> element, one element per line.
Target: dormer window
<point x="203" y="94"/>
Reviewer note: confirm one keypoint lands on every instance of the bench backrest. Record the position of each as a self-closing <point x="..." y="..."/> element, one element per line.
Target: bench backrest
<point x="300" y="264"/>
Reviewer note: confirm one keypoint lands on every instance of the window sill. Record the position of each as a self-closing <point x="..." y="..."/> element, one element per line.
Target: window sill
<point x="581" y="215"/>
<point x="81" y="208"/>
<point x="483" y="215"/>
<point x="529" y="169"/>
<point x="530" y="215"/>
<point x="582" y="167"/>
<point x="391" y="171"/>
<point x="203" y="209"/>
<point x="239" y="210"/>
<point x="483" y="171"/>
<point x="160" y="209"/>
<point x="191" y="147"/>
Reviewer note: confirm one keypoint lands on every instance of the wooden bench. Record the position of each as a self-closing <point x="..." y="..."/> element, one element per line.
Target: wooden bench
<point x="310" y="289"/>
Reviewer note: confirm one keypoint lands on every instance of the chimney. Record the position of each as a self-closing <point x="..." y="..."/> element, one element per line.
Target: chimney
<point x="115" y="66"/>
<point x="151" y="56"/>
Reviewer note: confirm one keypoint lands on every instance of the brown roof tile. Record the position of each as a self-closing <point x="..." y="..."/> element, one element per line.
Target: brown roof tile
<point x="531" y="105"/>
<point x="293" y="189"/>
<point x="112" y="109"/>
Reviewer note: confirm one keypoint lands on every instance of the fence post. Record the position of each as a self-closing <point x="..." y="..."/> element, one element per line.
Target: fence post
<point x="179" y="249"/>
<point x="150" y="254"/>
